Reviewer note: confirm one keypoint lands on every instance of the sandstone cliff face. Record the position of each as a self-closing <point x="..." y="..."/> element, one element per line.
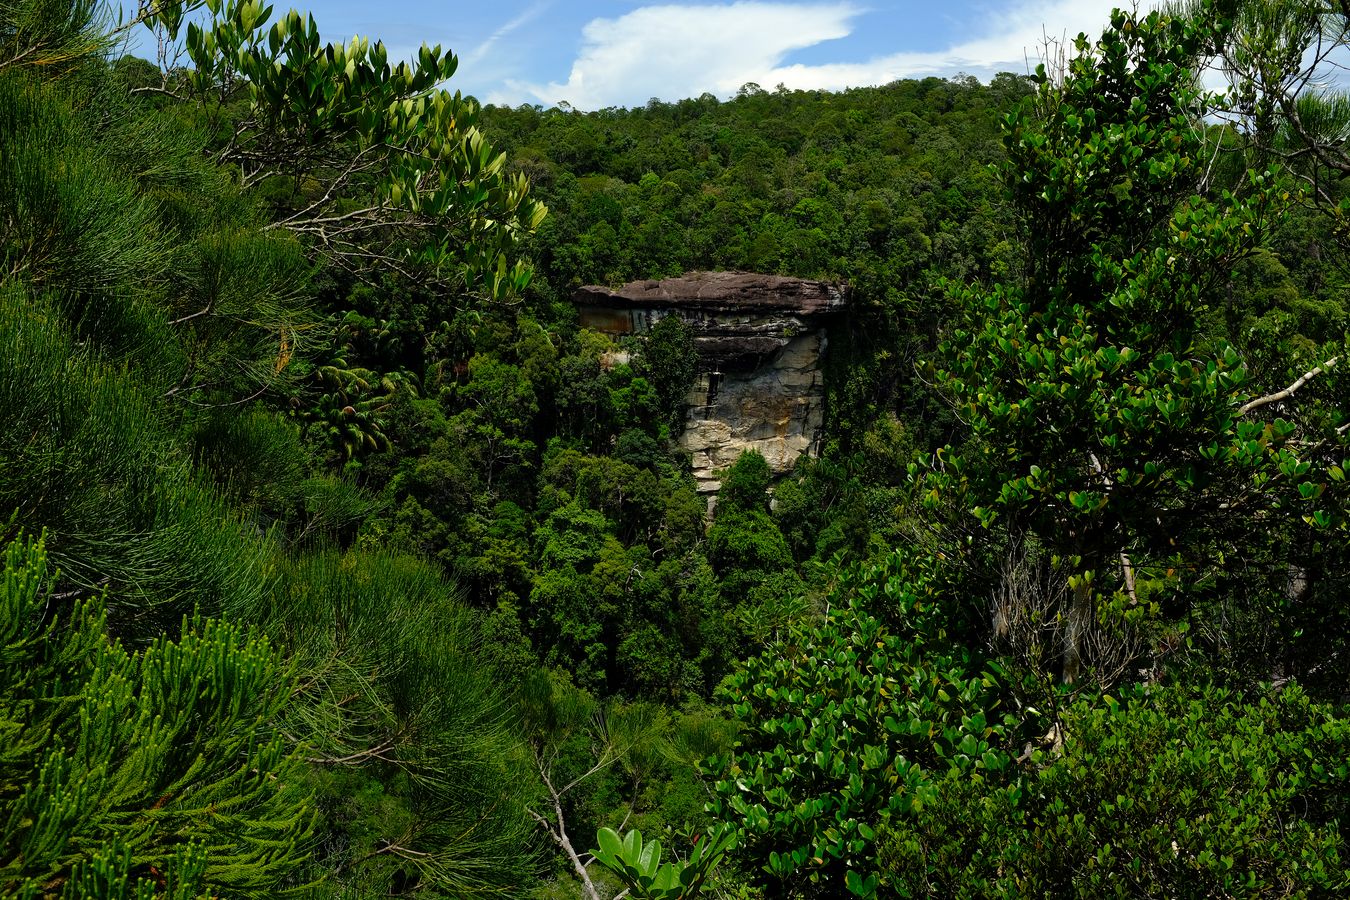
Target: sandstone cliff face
<point x="761" y="340"/>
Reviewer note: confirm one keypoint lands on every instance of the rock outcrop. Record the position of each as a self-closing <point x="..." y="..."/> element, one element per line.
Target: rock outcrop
<point x="760" y="339"/>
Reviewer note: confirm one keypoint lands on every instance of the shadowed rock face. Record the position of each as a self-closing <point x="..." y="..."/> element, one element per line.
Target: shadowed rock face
<point x="723" y="292"/>
<point x="761" y="339"/>
<point x="739" y="319"/>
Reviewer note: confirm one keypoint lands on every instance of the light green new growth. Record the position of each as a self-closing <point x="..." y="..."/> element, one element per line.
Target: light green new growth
<point x="139" y="774"/>
<point x="639" y="864"/>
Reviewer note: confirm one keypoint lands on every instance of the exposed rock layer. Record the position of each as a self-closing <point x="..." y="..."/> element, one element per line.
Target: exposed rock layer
<point x="761" y="340"/>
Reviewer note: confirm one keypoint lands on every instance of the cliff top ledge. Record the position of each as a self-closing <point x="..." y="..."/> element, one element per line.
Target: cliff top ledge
<point x="714" y="292"/>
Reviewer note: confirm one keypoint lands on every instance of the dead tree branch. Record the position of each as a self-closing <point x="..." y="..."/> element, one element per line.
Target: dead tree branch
<point x="1288" y="392"/>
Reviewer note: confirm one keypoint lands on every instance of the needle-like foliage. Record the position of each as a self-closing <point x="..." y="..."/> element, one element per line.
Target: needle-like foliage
<point x="124" y="774"/>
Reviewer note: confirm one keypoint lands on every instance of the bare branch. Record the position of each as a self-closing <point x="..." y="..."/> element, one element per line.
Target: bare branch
<point x="557" y="828"/>
<point x="1288" y="392"/>
<point x="604" y="763"/>
<point x="357" y="758"/>
<point x="295" y="223"/>
<point x="157" y="90"/>
<point x="189" y="317"/>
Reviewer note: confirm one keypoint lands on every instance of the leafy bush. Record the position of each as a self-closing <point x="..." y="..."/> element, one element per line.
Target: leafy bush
<point x="745" y="484"/>
<point x="640" y="866"/>
<point x="846" y="724"/>
<point x="1178" y="793"/>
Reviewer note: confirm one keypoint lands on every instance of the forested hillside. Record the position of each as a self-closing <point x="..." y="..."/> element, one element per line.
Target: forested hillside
<point x="340" y="561"/>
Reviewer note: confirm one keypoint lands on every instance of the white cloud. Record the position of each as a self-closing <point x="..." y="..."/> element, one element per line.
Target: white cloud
<point x="682" y="51"/>
<point x="532" y="12"/>
<point x="675" y="51"/>
<point x="1011" y="41"/>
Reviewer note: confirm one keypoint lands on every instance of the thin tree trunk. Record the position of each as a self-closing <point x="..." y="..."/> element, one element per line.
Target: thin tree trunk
<point x="557" y="829"/>
<point x="1075" y="635"/>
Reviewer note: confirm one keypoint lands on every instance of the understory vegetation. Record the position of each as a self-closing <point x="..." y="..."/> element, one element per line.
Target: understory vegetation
<point x="340" y="561"/>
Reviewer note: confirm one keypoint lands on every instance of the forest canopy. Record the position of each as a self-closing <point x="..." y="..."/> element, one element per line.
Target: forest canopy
<point x="340" y="559"/>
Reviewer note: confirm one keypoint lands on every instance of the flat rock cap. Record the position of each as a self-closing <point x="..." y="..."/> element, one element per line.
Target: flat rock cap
<point x="714" y="292"/>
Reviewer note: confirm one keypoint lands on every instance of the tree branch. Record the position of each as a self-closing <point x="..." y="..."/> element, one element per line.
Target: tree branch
<point x="355" y="759"/>
<point x="158" y="91"/>
<point x="1289" y="391"/>
<point x="557" y="829"/>
<point x="190" y="316"/>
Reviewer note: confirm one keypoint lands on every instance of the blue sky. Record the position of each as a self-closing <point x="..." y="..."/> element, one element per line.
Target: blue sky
<point x="598" y="53"/>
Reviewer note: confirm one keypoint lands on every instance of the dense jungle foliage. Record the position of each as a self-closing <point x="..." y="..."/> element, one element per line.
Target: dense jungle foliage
<point x="339" y="561"/>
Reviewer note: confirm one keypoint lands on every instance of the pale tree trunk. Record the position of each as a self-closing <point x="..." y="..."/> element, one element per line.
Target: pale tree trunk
<point x="1080" y="612"/>
<point x="557" y="829"/>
